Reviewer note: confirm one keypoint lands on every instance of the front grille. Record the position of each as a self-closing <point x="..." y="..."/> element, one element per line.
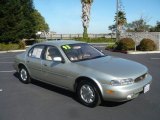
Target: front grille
<point x="142" y="77"/>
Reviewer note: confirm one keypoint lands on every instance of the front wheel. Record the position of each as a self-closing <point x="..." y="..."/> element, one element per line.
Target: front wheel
<point x="24" y="75"/>
<point x="88" y="94"/>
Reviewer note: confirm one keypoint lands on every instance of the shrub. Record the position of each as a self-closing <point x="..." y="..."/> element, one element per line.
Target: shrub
<point x="12" y="46"/>
<point x="30" y="42"/>
<point x="4" y="47"/>
<point x="111" y="46"/>
<point x="40" y="40"/>
<point x="147" y="45"/>
<point x="33" y="41"/>
<point x="96" y="40"/>
<point x="125" y="44"/>
<point x="21" y="45"/>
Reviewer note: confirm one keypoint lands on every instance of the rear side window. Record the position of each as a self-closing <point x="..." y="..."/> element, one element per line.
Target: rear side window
<point x="36" y="52"/>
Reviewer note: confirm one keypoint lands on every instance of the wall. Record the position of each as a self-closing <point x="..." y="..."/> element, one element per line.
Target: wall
<point x="138" y="36"/>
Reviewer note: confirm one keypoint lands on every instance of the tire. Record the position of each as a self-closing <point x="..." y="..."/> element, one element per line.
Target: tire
<point x="24" y="75"/>
<point x="87" y="93"/>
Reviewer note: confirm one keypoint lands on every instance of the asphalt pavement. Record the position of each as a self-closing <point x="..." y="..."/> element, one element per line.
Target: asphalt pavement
<point x="39" y="101"/>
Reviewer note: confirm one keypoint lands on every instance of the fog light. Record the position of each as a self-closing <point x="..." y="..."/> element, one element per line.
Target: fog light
<point x="129" y="96"/>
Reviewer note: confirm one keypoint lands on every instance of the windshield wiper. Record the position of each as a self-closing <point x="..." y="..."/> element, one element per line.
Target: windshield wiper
<point x="98" y="57"/>
<point x="89" y="58"/>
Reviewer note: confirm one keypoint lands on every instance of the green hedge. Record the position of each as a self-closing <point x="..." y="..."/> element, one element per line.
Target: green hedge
<point x="147" y="45"/>
<point x="111" y="46"/>
<point x="125" y="44"/>
<point x="12" y="46"/>
<point x="31" y="42"/>
<point x="96" y="40"/>
<point x="6" y="47"/>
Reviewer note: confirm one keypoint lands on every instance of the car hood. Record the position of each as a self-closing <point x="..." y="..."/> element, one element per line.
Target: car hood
<point x="117" y="67"/>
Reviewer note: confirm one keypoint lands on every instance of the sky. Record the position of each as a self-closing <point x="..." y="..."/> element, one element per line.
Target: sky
<point x="64" y="16"/>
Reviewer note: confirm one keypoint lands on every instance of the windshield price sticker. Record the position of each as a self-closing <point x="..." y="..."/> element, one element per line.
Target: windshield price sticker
<point x="66" y="47"/>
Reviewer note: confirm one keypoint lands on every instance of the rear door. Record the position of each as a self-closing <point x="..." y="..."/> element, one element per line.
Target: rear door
<point x="34" y="61"/>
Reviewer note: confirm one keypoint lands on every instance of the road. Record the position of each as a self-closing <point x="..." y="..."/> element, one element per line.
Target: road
<point x="39" y="101"/>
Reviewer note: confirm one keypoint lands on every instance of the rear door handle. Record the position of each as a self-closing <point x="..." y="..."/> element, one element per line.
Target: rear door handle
<point x="28" y="61"/>
<point x="45" y="64"/>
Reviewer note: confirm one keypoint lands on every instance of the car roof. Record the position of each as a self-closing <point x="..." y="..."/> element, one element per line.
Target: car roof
<point x="60" y="42"/>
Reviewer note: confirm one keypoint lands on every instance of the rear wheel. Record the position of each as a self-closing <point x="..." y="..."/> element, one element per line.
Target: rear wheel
<point x="88" y="94"/>
<point x="24" y="75"/>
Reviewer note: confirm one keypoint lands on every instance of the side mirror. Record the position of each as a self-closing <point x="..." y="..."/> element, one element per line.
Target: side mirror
<point x="58" y="59"/>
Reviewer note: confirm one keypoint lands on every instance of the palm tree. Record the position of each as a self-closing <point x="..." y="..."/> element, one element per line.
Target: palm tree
<point x="86" y="7"/>
<point x="121" y="20"/>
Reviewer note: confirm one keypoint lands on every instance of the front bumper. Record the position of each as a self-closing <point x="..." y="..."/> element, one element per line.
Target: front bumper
<point x="124" y="93"/>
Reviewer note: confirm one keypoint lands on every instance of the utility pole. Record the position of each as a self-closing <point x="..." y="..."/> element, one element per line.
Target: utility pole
<point x="159" y="40"/>
<point x="117" y="32"/>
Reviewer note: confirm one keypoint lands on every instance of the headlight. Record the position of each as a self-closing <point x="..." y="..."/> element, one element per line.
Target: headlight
<point x="122" y="82"/>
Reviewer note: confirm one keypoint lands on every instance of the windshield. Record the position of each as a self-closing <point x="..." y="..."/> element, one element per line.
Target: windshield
<point x="80" y="52"/>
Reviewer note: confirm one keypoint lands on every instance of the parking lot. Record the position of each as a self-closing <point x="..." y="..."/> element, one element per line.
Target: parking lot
<point x="39" y="101"/>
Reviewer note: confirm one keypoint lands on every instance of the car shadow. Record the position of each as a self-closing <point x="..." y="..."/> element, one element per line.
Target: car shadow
<point x="67" y="92"/>
<point x="50" y="87"/>
<point x="111" y="104"/>
<point x="53" y="88"/>
<point x="16" y="75"/>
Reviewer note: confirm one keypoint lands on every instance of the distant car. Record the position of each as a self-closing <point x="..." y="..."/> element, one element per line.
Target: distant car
<point x="83" y="69"/>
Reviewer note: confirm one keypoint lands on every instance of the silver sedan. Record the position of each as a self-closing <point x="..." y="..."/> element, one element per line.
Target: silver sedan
<point x="83" y="69"/>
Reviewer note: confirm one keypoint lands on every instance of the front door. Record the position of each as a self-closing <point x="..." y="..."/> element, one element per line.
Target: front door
<point x="55" y="72"/>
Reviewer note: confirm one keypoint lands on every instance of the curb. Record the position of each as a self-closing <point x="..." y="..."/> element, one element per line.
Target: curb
<point x="133" y="52"/>
<point x="110" y="43"/>
<point x="142" y="52"/>
<point x="118" y="51"/>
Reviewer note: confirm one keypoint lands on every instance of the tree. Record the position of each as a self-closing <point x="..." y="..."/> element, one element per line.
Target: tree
<point x="40" y="24"/>
<point x="8" y="17"/>
<point x="86" y="8"/>
<point x="138" y="26"/>
<point x="25" y="27"/>
<point x="155" y="28"/>
<point x="17" y="20"/>
<point x="121" y="20"/>
<point x="112" y="28"/>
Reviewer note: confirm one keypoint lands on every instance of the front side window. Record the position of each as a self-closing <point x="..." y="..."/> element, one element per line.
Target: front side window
<point x="51" y="52"/>
<point x="36" y="52"/>
<point x="80" y="52"/>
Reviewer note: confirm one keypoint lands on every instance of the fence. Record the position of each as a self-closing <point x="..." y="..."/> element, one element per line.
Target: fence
<point x="72" y="36"/>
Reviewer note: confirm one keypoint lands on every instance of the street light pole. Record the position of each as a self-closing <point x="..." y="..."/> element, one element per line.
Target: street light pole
<point x="117" y="32"/>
